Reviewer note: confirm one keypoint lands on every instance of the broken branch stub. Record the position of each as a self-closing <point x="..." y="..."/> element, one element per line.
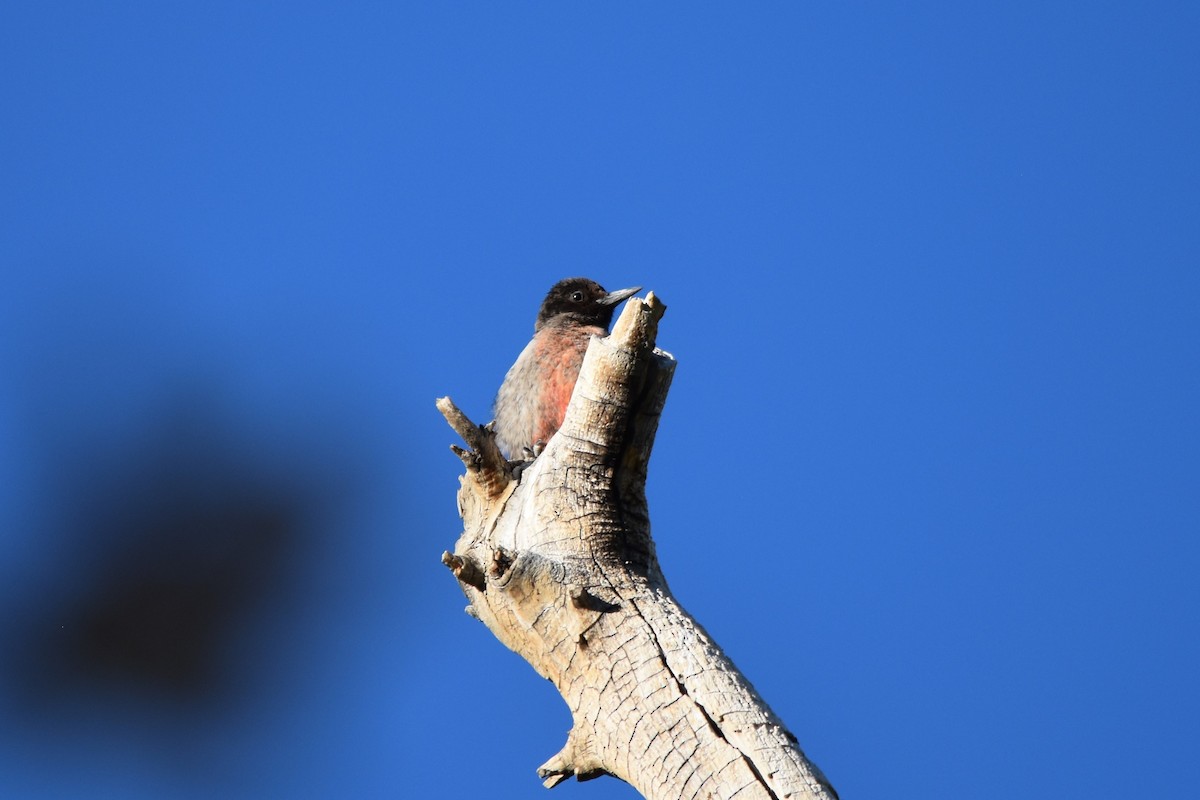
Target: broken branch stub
<point x="560" y="566"/>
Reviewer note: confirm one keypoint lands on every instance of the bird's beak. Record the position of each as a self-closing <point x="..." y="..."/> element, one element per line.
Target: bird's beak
<point x="612" y="298"/>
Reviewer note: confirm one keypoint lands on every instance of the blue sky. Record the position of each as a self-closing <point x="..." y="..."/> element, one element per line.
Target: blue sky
<point x="928" y="470"/>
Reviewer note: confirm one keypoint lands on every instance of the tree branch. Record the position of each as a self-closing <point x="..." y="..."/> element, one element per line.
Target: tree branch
<point x="560" y="566"/>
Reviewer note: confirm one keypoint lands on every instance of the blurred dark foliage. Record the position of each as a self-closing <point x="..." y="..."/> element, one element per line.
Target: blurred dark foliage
<point x="169" y="548"/>
<point x="175" y="470"/>
<point x="193" y="521"/>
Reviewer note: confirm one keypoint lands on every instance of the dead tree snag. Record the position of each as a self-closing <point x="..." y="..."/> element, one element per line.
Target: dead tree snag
<point x="561" y="568"/>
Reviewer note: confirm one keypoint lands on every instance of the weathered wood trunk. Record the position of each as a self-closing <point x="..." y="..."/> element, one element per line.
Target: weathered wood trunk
<point x="560" y="566"/>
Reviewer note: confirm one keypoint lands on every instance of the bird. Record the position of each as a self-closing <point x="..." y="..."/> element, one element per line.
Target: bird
<point x="533" y="398"/>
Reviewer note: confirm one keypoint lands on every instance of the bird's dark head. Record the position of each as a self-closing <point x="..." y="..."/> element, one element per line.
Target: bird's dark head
<point x="581" y="300"/>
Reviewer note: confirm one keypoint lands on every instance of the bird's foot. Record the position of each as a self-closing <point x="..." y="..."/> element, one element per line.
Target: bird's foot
<point x="518" y="467"/>
<point x="528" y="456"/>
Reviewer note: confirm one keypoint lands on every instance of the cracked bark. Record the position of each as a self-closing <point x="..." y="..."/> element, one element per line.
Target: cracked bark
<point x="561" y="568"/>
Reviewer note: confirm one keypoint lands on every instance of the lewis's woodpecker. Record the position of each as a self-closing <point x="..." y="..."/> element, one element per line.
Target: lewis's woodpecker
<point x="533" y="399"/>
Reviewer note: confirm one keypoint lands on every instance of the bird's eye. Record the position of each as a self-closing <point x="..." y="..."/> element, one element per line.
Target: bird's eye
<point x="576" y="297"/>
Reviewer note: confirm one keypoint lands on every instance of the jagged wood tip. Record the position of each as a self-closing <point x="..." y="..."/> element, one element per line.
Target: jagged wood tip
<point x="637" y="327"/>
<point x="471" y="433"/>
<point x="465" y="569"/>
<point x="573" y="759"/>
<point x="484" y="455"/>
